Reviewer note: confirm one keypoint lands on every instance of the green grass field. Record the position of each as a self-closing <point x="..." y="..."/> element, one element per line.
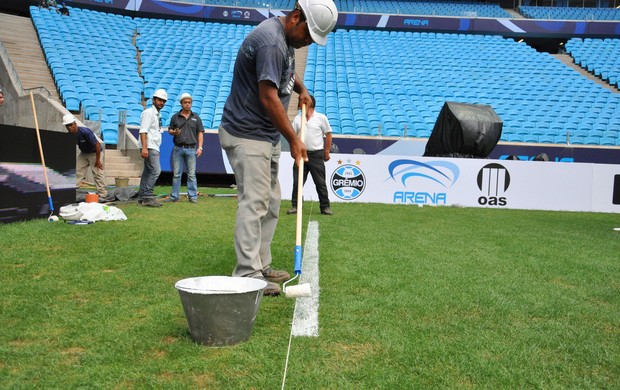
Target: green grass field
<point x="433" y="297"/>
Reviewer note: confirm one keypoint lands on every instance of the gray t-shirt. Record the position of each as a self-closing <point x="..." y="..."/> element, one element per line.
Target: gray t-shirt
<point x="263" y="55"/>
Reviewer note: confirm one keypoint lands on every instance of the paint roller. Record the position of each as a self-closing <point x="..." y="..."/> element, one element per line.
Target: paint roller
<point x="303" y="289"/>
<point x="52" y="217"/>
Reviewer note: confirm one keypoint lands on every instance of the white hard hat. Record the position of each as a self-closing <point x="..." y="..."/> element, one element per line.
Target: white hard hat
<point x="321" y="16"/>
<point x="68" y="119"/>
<point x="160" y="93"/>
<point x="185" y="96"/>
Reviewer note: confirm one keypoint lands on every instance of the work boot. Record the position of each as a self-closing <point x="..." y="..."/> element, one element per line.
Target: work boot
<point x="272" y="290"/>
<point x="150" y="203"/>
<point x="275" y="276"/>
<point x="327" y="211"/>
<point x="193" y="200"/>
<point x="292" y="210"/>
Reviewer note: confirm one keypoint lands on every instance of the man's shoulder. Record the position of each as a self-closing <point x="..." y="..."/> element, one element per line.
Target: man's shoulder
<point x="150" y="111"/>
<point x="85" y="130"/>
<point x="320" y="115"/>
<point x="267" y="33"/>
<point x="194" y="115"/>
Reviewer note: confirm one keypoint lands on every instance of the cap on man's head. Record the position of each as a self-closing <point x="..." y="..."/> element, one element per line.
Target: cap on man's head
<point x="185" y="96"/>
<point x="321" y="16"/>
<point x="68" y="119"/>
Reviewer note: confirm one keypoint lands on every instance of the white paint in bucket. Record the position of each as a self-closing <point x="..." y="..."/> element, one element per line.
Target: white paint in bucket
<point x="220" y="310"/>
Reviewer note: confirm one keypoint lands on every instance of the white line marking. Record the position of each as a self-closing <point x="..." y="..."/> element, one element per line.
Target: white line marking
<point x="510" y="25"/>
<point x="306" y="316"/>
<point x="383" y="21"/>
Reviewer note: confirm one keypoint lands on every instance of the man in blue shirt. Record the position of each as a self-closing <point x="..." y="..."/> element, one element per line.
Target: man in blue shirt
<point x="254" y="118"/>
<point x="90" y="155"/>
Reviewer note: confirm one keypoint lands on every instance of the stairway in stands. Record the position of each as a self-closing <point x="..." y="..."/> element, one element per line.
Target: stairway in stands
<point x="21" y="42"/>
<point x="568" y="60"/>
<point x="119" y="165"/>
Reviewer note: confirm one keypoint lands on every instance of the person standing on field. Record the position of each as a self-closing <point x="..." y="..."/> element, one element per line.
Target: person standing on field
<point x="150" y="140"/>
<point x="318" y="141"/>
<point x="255" y="117"/>
<point x="187" y="129"/>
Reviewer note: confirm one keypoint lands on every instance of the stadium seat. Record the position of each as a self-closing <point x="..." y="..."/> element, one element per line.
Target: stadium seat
<point x="515" y="138"/>
<point x="577" y="140"/>
<point x="546" y="139"/>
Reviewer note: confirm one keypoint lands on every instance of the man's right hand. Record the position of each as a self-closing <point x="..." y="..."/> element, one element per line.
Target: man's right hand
<point x="144" y="153"/>
<point x="298" y="151"/>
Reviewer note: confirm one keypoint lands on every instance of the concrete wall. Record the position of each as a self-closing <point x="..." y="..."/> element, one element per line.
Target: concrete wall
<point x="17" y="108"/>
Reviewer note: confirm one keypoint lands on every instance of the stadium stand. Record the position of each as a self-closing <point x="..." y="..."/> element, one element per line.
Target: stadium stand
<point x="399" y="79"/>
<point x="569" y="13"/>
<point x="93" y="62"/>
<point x="443" y="8"/>
<point x="201" y="66"/>
<point x="368" y="82"/>
<point x="440" y="7"/>
<point x="601" y="57"/>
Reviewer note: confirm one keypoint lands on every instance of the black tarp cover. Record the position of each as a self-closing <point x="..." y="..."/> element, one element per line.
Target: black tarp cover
<point x="464" y="130"/>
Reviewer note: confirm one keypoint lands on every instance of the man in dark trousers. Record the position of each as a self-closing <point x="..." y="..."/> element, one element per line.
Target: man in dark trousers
<point x="187" y="129"/>
<point x="90" y="155"/>
<point x="318" y="141"/>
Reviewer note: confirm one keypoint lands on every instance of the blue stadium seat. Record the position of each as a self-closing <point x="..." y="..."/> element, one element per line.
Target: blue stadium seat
<point x="577" y="140"/>
<point x="559" y="139"/>
<point x="515" y="138"/>
<point x="607" y="141"/>
<point x="109" y="132"/>
<point x="546" y="139"/>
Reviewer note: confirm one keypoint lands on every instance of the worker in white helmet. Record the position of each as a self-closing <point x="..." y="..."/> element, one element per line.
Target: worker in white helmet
<point x="255" y="117"/>
<point x="91" y="155"/>
<point x="150" y="140"/>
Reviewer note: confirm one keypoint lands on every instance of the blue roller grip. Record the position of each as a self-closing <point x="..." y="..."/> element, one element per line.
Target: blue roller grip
<point x="297" y="260"/>
<point x="49" y="200"/>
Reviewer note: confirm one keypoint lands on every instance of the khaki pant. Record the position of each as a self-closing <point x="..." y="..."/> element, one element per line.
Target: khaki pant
<point x="85" y="160"/>
<point x="255" y="164"/>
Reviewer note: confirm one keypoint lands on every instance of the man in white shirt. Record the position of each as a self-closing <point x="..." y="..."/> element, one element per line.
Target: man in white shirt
<point x="318" y="141"/>
<point x="150" y="140"/>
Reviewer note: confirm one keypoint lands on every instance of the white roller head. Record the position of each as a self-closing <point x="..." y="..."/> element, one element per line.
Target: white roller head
<point x="53" y="218"/>
<point x="298" y="291"/>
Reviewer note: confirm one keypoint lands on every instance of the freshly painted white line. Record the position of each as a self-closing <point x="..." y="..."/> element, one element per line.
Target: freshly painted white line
<point x="306" y="316"/>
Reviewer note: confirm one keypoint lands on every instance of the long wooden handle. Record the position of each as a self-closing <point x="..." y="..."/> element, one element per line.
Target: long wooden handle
<point x="300" y="179"/>
<point x="36" y="126"/>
